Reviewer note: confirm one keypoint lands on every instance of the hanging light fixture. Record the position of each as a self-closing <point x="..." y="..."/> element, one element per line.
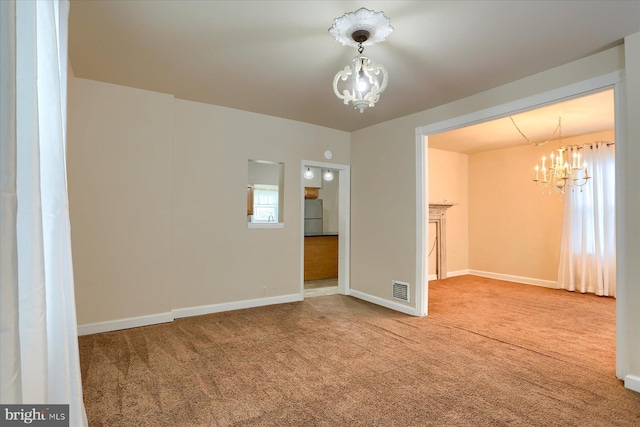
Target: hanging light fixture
<point x="308" y="174"/>
<point x="328" y="175"/>
<point x="563" y="172"/>
<point x="363" y="80"/>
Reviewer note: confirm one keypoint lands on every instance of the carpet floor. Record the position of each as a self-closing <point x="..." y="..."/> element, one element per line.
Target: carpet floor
<point x="490" y="353"/>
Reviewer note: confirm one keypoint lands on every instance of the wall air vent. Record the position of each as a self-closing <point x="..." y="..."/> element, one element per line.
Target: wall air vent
<point x="400" y="290"/>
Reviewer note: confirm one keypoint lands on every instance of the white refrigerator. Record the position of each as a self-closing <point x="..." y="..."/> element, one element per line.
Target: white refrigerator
<point x="312" y="217"/>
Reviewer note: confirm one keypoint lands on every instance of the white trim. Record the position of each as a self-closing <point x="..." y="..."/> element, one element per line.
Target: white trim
<point x="344" y="224"/>
<point x="234" y="305"/>
<point x="632" y="382"/>
<point x="154" y="319"/>
<point x="253" y="225"/>
<point x="517" y="279"/>
<point x="525" y="104"/>
<point x="457" y="273"/>
<point x="384" y="302"/>
<point x="127" y="323"/>
<point x="422" y="194"/>
<point x="344" y="230"/>
<point x="622" y="258"/>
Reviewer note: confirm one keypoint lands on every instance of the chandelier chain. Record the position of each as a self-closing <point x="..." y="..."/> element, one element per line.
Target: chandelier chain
<point x="536" y="144"/>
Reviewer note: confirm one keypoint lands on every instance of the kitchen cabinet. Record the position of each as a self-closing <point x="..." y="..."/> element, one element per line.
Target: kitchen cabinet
<point x="320" y="257"/>
<point x="310" y="193"/>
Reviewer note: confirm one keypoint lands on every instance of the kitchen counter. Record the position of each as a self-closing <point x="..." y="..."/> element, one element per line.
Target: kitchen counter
<point x="321" y="256"/>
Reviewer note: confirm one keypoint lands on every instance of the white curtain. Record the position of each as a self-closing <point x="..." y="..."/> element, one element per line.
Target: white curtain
<point x="38" y="331"/>
<point x="588" y="247"/>
<point x="265" y="194"/>
<point x="265" y="203"/>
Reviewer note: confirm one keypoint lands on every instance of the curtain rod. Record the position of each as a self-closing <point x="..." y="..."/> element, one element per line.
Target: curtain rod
<point x="590" y="144"/>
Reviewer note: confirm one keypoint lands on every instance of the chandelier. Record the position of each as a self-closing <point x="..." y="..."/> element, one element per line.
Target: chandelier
<point x="564" y="171"/>
<point x="362" y="81"/>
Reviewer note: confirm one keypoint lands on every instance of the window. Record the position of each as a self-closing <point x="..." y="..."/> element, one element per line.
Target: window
<point x="591" y="208"/>
<point x="265" y="203"/>
<point x="588" y="248"/>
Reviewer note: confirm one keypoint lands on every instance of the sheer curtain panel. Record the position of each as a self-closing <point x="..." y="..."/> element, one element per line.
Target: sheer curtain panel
<point x="588" y="247"/>
<point x="38" y="331"/>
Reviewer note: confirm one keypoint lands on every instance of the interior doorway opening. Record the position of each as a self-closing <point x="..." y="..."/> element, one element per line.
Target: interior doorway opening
<point x="325" y="213"/>
<point x="607" y="82"/>
<point x="504" y="224"/>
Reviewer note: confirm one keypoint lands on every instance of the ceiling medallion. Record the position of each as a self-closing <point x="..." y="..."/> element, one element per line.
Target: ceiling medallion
<point x="363" y="80"/>
<point x="375" y="23"/>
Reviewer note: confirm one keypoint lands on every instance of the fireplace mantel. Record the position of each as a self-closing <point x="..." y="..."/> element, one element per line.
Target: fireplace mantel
<point x="438" y="215"/>
<point x="440" y="207"/>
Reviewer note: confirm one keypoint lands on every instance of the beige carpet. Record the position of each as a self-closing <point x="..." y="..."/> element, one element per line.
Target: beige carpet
<point x="491" y="353"/>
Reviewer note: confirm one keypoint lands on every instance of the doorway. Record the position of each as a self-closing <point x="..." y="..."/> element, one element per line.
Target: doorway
<point x="486" y="173"/>
<point x="325" y="224"/>
<point x="613" y="81"/>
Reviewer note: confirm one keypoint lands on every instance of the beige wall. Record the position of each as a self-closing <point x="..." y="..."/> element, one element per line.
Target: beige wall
<point x="514" y="226"/>
<point x="263" y="173"/>
<point x="449" y="180"/>
<point x="119" y="171"/>
<point x="499" y="225"/>
<point x="385" y="203"/>
<point x="216" y="258"/>
<point x="157" y="191"/>
<point x="71" y="84"/>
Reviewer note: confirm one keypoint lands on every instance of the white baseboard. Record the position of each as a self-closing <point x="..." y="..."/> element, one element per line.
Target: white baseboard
<point x="127" y="323"/>
<point x="235" y="305"/>
<point x="154" y="319"/>
<point x="135" y="322"/>
<point x="516" y="279"/>
<point x="449" y="274"/>
<point x="383" y="302"/>
<point x="457" y="273"/>
<point x="632" y="382"/>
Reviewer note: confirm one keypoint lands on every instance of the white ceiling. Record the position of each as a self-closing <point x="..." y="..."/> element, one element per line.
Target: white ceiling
<point x="579" y="116"/>
<point x="278" y="58"/>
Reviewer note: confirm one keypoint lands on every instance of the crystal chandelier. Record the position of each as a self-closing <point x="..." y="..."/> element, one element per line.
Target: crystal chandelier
<point x="361" y="82"/>
<point x="564" y="171"/>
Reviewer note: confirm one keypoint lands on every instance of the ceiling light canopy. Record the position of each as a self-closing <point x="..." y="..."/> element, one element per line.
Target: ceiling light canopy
<point x="361" y="82"/>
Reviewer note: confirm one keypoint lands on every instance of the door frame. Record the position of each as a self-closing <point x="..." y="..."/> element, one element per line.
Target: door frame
<point x="615" y="81"/>
<point x="344" y="222"/>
